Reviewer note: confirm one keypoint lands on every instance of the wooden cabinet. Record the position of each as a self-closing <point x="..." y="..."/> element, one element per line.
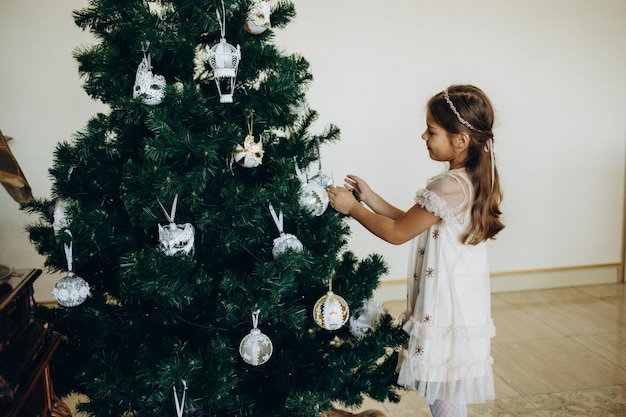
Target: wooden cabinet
<point x="26" y="347"/>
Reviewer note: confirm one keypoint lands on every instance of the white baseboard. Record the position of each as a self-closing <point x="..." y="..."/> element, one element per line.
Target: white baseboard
<point x="395" y="290"/>
<point x="555" y="278"/>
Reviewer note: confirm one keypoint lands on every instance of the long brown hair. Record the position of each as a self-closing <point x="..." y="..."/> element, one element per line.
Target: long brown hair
<point x="465" y="108"/>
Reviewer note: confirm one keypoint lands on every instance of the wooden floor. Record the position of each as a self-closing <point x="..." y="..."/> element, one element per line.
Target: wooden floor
<point x="557" y="352"/>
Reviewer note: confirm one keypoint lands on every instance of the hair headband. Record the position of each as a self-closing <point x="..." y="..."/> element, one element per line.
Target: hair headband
<point x="455" y="111"/>
<point x="488" y="144"/>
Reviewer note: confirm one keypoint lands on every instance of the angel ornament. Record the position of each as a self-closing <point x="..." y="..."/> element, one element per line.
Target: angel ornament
<point x="176" y="238"/>
<point x="147" y="85"/>
<point x="250" y="155"/>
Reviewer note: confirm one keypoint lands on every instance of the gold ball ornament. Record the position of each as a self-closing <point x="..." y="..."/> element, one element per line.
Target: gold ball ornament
<point x="331" y="311"/>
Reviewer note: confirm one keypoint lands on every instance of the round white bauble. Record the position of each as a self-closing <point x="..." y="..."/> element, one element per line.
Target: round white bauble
<point x="314" y="198"/>
<point x="331" y="311"/>
<point x="285" y="242"/>
<point x="71" y="290"/>
<point x="256" y="348"/>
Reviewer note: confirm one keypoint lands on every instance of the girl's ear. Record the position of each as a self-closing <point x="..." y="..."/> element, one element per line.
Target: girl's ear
<point x="462" y="141"/>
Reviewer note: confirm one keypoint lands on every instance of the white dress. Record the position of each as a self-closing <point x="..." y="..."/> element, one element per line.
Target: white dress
<point x="448" y="316"/>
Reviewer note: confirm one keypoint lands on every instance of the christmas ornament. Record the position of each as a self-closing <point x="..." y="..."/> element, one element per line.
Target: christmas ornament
<point x="71" y="290"/>
<point x="366" y="319"/>
<point x="249" y="155"/>
<point x="285" y="241"/>
<point x="176" y="238"/>
<point x="258" y="18"/>
<point x="224" y="60"/>
<point x="313" y="196"/>
<point x="180" y="404"/>
<point x="159" y="8"/>
<point x="320" y="178"/>
<point x="331" y="311"/>
<point x="150" y="87"/>
<point x="256" y="348"/>
<point x="60" y="221"/>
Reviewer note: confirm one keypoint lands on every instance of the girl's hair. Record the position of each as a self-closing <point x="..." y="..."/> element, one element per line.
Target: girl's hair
<point x="465" y="108"/>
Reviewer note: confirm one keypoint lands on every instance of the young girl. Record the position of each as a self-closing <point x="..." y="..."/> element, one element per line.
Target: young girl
<point x="448" y="357"/>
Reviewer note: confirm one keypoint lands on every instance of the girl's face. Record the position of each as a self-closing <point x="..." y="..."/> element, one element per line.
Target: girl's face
<point x="437" y="141"/>
<point x="441" y="145"/>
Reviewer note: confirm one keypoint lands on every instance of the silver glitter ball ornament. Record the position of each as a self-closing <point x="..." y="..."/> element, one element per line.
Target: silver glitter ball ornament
<point x="285" y="242"/>
<point x="71" y="290"/>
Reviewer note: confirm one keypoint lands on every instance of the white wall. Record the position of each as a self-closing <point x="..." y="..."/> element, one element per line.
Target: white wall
<point x="553" y="69"/>
<point x="555" y="73"/>
<point x="41" y="103"/>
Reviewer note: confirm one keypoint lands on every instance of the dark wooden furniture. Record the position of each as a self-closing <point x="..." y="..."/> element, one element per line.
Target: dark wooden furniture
<point x="26" y="347"/>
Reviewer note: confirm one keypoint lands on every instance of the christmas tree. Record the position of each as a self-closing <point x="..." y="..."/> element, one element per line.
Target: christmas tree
<point x="185" y="218"/>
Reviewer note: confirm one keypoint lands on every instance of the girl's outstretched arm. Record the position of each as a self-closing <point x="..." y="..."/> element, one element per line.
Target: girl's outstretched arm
<point x="395" y="231"/>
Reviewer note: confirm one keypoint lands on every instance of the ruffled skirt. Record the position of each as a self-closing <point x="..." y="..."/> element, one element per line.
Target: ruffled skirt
<point x="444" y="363"/>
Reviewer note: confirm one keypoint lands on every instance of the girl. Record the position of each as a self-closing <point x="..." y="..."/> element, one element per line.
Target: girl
<point x="448" y="357"/>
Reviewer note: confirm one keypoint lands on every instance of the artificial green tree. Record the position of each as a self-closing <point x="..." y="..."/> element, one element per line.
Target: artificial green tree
<point x="153" y="319"/>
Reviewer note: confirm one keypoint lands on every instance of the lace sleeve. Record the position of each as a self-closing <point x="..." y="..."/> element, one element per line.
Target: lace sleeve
<point x="445" y="195"/>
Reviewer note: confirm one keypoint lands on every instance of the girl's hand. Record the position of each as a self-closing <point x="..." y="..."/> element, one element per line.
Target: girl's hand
<point x="341" y="199"/>
<point x="352" y="182"/>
